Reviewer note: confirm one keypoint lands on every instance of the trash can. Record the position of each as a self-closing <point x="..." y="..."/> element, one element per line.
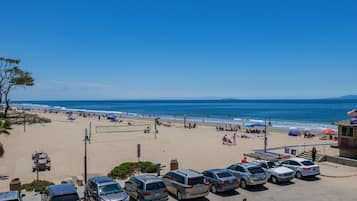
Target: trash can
<point x="293" y="152"/>
<point x="174" y="164"/>
<point x="15" y="185"/>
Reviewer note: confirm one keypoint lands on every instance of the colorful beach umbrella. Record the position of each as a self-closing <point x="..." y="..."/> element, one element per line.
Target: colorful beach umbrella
<point x="328" y="131"/>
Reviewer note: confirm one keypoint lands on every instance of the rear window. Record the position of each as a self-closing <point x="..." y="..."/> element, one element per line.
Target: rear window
<point x="68" y="197"/>
<point x="224" y="174"/>
<point x="196" y="180"/>
<point x="156" y="185"/>
<point x="255" y="170"/>
<point x="307" y="163"/>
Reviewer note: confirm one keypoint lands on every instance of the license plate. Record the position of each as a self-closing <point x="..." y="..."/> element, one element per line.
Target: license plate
<point x="157" y="194"/>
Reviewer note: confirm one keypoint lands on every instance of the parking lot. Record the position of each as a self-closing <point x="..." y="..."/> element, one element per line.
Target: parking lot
<point x="321" y="188"/>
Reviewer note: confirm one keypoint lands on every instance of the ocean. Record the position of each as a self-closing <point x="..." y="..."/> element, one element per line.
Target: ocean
<point x="313" y="114"/>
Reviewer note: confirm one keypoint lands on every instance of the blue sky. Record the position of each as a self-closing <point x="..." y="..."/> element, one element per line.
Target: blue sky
<point x="182" y="49"/>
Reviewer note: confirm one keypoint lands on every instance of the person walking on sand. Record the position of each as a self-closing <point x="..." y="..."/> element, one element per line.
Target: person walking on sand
<point x="244" y="160"/>
<point x="313" y="154"/>
<point x="234" y="138"/>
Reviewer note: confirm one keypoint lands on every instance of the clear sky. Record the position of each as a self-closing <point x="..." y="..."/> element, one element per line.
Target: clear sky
<point x="128" y="49"/>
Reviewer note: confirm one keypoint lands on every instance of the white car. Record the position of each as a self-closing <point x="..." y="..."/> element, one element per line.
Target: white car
<point x="302" y="167"/>
<point x="276" y="172"/>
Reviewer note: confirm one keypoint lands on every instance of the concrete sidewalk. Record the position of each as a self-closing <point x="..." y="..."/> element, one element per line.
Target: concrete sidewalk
<point x="329" y="169"/>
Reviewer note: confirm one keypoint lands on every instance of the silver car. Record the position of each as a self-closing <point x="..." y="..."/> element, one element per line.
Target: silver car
<point x="221" y="180"/>
<point x="104" y="188"/>
<point x="276" y="172"/>
<point x="147" y="187"/>
<point x="186" y="184"/>
<point x="302" y="167"/>
<point x="250" y="174"/>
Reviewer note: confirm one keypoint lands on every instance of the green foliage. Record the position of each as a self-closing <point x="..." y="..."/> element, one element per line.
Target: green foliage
<point x="127" y="169"/>
<point x="4" y="127"/>
<point x="37" y="186"/>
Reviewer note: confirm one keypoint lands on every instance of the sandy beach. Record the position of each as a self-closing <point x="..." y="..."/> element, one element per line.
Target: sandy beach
<point x="200" y="148"/>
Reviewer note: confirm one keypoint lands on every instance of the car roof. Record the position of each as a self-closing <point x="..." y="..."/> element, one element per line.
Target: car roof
<point x="298" y="159"/>
<point x="187" y="172"/>
<point x="215" y="171"/>
<point x="11" y="195"/>
<point x="101" y="179"/>
<point x="61" y="189"/>
<point x="148" y="178"/>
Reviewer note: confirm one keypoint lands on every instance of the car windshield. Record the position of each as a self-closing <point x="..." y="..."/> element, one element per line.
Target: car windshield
<point x="109" y="189"/>
<point x="155" y="185"/>
<point x="307" y="163"/>
<point x="273" y="164"/>
<point x="68" y="197"/>
<point x="195" y="180"/>
<point x="255" y="170"/>
<point x="224" y="174"/>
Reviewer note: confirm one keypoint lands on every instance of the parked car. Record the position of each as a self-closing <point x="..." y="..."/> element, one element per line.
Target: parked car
<point x="62" y="192"/>
<point x="250" y="174"/>
<point x="41" y="161"/>
<point x="302" y="167"/>
<point x="186" y="184"/>
<point x="147" y="187"/>
<point x="221" y="180"/>
<point x="276" y="172"/>
<point x="104" y="188"/>
<point x="10" y="196"/>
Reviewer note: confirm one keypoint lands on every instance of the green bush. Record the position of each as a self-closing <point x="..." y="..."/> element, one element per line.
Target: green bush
<point x="127" y="169"/>
<point x="37" y="186"/>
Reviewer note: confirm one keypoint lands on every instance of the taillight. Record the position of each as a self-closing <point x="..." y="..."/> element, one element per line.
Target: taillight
<point x="165" y="190"/>
<point x="307" y="168"/>
<point x="146" y="193"/>
<point x="188" y="186"/>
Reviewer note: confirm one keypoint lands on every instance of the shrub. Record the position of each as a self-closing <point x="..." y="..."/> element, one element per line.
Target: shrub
<point x="127" y="169"/>
<point x="37" y="186"/>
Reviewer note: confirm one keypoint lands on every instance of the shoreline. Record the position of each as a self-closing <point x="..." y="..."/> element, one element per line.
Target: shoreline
<point x="276" y="124"/>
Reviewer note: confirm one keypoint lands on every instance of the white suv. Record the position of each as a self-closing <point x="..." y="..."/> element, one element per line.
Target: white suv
<point x="302" y="167"/>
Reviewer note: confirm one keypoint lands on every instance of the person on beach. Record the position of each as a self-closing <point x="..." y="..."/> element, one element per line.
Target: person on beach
<point x="313" y="154"/>
<point x="234" y="138"/>
<point x="224" y="140"/>
<point x="244" y="160"/>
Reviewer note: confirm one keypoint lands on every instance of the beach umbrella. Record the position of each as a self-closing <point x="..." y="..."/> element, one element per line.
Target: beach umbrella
<point x="294" y="132"/>
<point x="328" y="131"/>
<point x="352" y="113"/>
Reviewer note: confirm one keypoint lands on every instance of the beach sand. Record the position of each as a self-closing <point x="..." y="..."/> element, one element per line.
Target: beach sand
<point x="200" y="148"/>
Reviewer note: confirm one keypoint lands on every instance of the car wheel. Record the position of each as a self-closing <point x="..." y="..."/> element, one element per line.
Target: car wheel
<point x="273" y="179"/>
<point x="298" y="175"/>
<point x="213" y="189"/>
<point x="243" y="183"/>
<point x="179" y="196"/>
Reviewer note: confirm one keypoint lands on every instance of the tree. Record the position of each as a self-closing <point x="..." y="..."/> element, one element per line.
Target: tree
<point x="12" y="76"/>
<point x="5" y="65"/>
